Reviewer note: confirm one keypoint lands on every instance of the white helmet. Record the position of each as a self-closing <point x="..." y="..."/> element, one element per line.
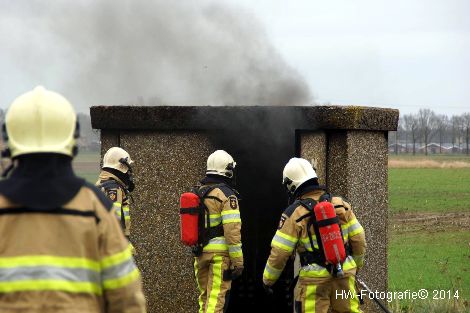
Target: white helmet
<point x="296" y="172"/>
<point x="220" y="163"/>
<point x="118" y="159"/>
<point x="41" y="121"/>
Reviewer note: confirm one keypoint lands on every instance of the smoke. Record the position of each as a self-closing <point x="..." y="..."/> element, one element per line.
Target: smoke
<point x="147" y="53"/>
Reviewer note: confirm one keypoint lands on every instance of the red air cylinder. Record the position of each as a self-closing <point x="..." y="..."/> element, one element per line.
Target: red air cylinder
<point x="331" y="238"/>
<point x="189" y="217"/>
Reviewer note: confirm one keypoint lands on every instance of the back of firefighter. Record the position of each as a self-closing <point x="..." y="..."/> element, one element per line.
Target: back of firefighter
<point x="318" y="286"/>
<point x="222" y="258"/>
<point x="62" y="249"/>
<point x="116" y="181"/>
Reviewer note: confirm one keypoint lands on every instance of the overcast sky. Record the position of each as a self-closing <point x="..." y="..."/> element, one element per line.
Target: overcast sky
<point x="404" y="54"/>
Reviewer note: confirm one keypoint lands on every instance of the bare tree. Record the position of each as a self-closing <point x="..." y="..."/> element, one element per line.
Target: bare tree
<point x="442" y="124"/>
<point x="399" y="134"/>
<point x="466" y="128"/>
<point x="410" y="123"/>
<point x="426" y="122"/>
<point x="454" y="121"/>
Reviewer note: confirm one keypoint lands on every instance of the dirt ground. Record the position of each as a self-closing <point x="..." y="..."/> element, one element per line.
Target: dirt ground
<point x="429" y="222"/>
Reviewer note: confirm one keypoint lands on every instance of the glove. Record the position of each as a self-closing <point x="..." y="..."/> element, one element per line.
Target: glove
<point x="359" y="260"/>
<point x="268" y="290"/>
<point x="237" y="272"/>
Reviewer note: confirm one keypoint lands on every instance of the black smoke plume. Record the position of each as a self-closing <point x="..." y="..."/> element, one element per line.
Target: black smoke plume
<point x="144" y="52"/>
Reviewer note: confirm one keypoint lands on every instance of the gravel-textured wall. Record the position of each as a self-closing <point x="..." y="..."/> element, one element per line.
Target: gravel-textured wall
<point x="166" y="165"/>
<point x="313" y="147"/>
<point x="170" y="150"/>
<point x="357" y="170"/>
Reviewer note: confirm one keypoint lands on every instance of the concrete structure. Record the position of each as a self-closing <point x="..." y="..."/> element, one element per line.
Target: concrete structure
<point x="170" y="146"/>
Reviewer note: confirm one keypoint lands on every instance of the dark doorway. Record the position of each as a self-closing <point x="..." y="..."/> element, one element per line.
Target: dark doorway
<point x="261" y="144"/>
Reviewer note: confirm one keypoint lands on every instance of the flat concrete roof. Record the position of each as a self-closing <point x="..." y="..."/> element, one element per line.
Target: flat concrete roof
<point x="219" y="117"/>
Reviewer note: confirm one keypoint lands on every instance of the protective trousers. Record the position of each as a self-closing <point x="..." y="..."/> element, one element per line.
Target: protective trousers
<point x="318" y="295"/>
<point x="214" y="291"/>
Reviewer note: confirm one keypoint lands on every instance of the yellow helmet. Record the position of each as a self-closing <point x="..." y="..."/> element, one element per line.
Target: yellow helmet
<point x="220" y="163"/>
<point x="118" y="159"/>
<point x="41" y="121"/>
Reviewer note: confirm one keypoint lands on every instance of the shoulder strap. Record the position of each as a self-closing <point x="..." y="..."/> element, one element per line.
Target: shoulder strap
<point x="109" y="184"/>
<point x="309" y="204"/>
<point x="203" y="192"/>
<point x="204" y="217"/>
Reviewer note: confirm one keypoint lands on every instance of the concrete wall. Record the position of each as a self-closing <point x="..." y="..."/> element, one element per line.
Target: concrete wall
<point x="356" y="168"/>
<point x="351" y="154"/>
<point x="178" y="161"/>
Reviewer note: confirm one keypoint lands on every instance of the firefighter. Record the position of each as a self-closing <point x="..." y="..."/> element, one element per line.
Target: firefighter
<point x="318" y="283"/>
<point x="62" y="249"/>
<point x="221" y="259"/>
<point x="116" y="181"/>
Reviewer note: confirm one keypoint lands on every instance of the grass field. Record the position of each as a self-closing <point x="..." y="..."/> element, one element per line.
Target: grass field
<point x="87" y="165"/>
<point x="429" y="229"/>
<point x="429" y="189"/>
<point x="430" y="260"/>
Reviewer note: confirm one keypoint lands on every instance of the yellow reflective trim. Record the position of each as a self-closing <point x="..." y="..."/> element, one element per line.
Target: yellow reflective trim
<point x="196" y="273"/>
<point x="50" y="284"/>
<point x="282" y="246"/>
<point x="216" y="283"/>
<point x="116" y="283"/>
<point x="216" y="246"/>
<point x="236" y="254"/>
<point x="116" y="258"/>
<point x="230" y="212"/>
<point x="127" y="218"/>
<point x="117" y="204"/>
<point x="287" y="237"/>
<point x="268" y="276"/>
<point x="232" y="220"/>
<point x="125" y="208"/>
<point x="353" y="301"/>
<point x="314" y="274"/>
<point x="356" y="232"/>
<point x="319" y="271"/>
<point x="310" y="295"/>
<point x="349" y="263"/>
<point x="59" y="261"/>
<point x="271" y="273"/>
<point x="306" y="242"/>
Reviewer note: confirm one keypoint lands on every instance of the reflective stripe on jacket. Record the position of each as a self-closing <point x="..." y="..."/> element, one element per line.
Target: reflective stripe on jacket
<point x="73" y="259"/>
<point x="225" y="212"/>
<point x="117" y="194"/>
<point x="292" y="236"/>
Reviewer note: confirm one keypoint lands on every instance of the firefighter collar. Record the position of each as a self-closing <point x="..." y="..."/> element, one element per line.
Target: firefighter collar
<point x="43" y="181"/>
<point x="302" y="190"/>
<point x="216" y="179"/>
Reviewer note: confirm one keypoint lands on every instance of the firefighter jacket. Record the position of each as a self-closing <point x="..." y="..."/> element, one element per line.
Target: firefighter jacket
<point x="222" y="204"/>
<point x="292" y="236"/>
<point x="69" y="259"/>
<point x="115" y="190"/>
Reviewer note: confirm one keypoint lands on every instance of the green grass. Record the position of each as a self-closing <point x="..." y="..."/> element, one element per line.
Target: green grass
<point x="87" y="165"/>
<point x="429" y="189"/>
<point x="88" y="157"/>
<point x="431" y="261"/>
